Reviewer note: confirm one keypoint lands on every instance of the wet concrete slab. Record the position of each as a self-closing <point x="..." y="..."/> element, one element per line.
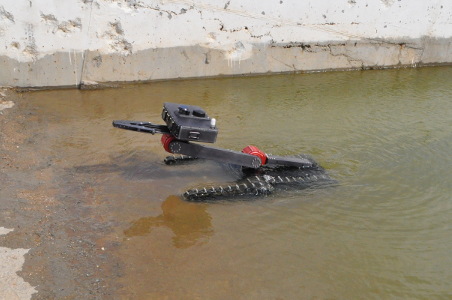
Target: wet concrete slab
<point x="65" y="260"/>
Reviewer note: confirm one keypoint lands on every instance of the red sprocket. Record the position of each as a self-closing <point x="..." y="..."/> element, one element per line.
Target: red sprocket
<point x="253" y="150"/>
<point x="166" y="141"/>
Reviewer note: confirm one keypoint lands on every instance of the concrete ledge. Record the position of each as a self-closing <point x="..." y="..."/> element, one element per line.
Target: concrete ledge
<point x="91" y="69"/>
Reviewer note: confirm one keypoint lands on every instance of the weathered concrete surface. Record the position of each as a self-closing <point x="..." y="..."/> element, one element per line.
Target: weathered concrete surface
<point x="62" y="43"/>
<point x="51" y="70"/>
<point x="12" y="286"/>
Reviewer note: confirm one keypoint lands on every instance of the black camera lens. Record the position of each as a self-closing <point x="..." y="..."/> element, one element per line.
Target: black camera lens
<point x="183" y="110"/>
<point x="199" y="113"/>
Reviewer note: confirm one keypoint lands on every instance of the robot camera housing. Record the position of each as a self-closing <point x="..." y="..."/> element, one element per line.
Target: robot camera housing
<point x="189" y="123"/>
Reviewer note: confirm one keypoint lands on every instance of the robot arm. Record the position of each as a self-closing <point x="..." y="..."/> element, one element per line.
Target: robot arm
<point x="186" y="124"/>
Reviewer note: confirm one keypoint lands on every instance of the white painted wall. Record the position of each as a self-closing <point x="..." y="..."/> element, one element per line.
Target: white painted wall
<point x="30" y="30"/>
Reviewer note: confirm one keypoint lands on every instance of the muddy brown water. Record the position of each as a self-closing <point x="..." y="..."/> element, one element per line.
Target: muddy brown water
<point x="102" y="215"/>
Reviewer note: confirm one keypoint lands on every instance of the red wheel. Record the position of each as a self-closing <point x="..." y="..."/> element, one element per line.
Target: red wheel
<point x="253" y="150"/>
<point x="166" y="141"/>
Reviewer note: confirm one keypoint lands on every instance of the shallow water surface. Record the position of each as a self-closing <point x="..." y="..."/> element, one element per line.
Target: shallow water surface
<point x="383" y="232"/>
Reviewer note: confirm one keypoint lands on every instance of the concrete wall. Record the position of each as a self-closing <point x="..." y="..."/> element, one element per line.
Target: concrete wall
<point x="71" y="42"/>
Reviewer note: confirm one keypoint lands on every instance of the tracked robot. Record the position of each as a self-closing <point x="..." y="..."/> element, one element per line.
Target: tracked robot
<point x="187" y="126"/>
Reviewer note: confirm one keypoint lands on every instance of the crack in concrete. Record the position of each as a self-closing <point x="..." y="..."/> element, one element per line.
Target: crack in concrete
<point x="141" y="5"/>
<point x="285" y="64"/>
<point x="323" y="27"/>
<point x="349" y="58"/>
<point x="6" y="15"/>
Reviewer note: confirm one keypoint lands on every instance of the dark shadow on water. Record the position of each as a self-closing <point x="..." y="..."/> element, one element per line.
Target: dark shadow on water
<point x="138" y="166"/>
<point x="190" y="223"/>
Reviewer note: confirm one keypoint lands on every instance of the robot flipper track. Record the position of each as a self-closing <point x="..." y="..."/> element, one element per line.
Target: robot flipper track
<point x="254" y="186"/>
<point x="178" y="159"/>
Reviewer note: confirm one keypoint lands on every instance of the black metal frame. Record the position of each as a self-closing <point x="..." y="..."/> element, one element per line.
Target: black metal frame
<point x="187" y="124"/>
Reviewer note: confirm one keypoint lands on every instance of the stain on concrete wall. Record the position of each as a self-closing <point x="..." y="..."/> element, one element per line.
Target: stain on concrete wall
<point x="54" y="43"/>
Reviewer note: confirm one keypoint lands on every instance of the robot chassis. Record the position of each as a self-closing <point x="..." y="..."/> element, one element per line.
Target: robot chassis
<point x="260" y="173"/>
